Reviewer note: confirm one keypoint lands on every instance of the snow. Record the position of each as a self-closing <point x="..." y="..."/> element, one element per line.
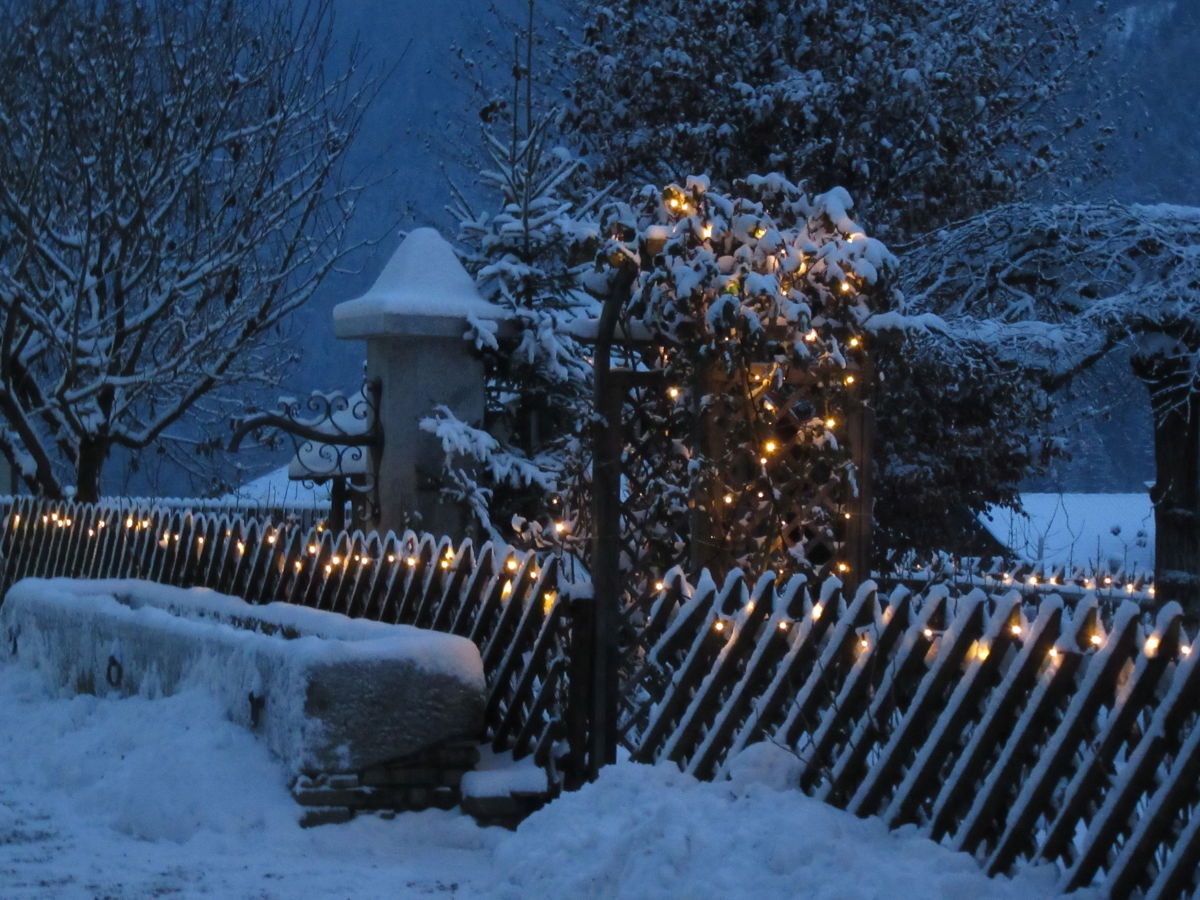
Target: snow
<point x="1109" y="531"/>
<point x="168" y="640"/>
<point x="498" y="775"/>
<point x="278" y="488"/>
<point x="137" y="798"/>
<point x="423" y="278"/>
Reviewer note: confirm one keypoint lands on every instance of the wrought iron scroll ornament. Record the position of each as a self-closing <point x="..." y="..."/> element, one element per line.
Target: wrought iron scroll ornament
<point x="333" y="436"/>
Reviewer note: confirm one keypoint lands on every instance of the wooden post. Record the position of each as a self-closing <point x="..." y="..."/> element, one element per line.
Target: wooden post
<point x="861" y="431"/>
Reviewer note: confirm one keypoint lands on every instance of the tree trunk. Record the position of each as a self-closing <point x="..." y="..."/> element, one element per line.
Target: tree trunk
<point x="92" y="454"/>
<point x="1176" y="492"/>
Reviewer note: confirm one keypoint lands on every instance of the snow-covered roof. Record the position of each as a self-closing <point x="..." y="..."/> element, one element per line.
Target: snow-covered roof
<point x="423" y="290"/>
<point x="1110" y="530"/>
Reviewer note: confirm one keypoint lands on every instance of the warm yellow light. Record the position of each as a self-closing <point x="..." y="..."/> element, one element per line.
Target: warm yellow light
<point x="673" y="393"/>
<point x="1185" y="649"/>
<point x="533" y="573"/>
<point x="845" y="287"/>
<point x="1152" y="645"/>
<point x="1129" y="588"/>
<point x="1014" y="629"/>
<point x="759" y="231"/>
<point x="843" y="567"/>
<point x="762" y="460"/>
<point x="128" y="522"/>
<point x="391" y="557"/>
<point x="728" y="498"/>
<point x="1107" y="580"/>
<point x="16" y="520"/>
<point x="445" y="563"/>
<point x="299" y="565"/>
<point x="831" y="423"/>
<point x="337" y="560"/>
<point x="1096" y="639"/>
<point x="845" y="515"/>
<point x="817" y="610"/>
<point x="811" y="335"/>
<point x="769" y="406"/>
<point x="673" y="202"/>
<point x="981" y="652"/>
<point x="718" y="625"/>
<point x="507" y="589"/>
<point x="855" y="342"/>
<point x="270" y="539"/>
<point x="145" y="523"/>
<point x="770" y="446"/>
<point x="1054" y="653"/>
<point x="548" y="601"/>
<point x="928" y="632"/>
<point x="560" y="527"/>
<point x="328" y="568"/>
<point x="706" y="231"/>
<point x="91" y="532"/>
<point x="864" y="642"/>
<point x="849" y="379"/>
<point x="511" y="565"/>
<point x="1033" y="579"/>
<point x="660" y="586"/>
<point x="1150" y="590"/>
<point x="312" y="549"/>
<point x="200" y="541"/>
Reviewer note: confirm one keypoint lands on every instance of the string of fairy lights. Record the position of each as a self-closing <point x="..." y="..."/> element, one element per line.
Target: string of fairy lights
<point x="321" y="555"/>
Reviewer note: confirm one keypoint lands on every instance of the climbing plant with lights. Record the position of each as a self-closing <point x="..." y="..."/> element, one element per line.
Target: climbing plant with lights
<point x="754" y="306"/>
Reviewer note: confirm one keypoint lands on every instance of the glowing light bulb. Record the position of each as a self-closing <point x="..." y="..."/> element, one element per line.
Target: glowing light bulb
<point x="1152" y="644"/>
<point x="1014" y="630"/>
<point x="706" y="231"/>
<point x="843" y="567"/>
<point x="981" y="652"/>
<point x="560" y="527"/>
<point x="728" y="499"/>
<point x="846" y="287"/>
<point x="783" y="626"/>
<point x="673" y="393"/>
<point x="810" y="335"/>
<point x="1185" y="649"/>
<point x="770" y="446"/>
<point x="1096" y="639"/>
<point x="817" y="611"/>
<point x="660" y="586"/>
<point x="410" y="561"/>
<point x="507" y="589"/>
<point x="1054" y="653"/>
<point x="762" y="460"/>
<point x="928" y="632"/>
<point x="849" y="379"/>
<point x="511" y="565"/>
<point x="855" y="342"/>
<point x="831" y="423"/>
<point x="718" y="625"/>
<point x="337" y="560"/>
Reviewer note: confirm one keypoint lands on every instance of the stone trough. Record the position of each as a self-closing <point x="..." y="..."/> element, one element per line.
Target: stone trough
<point x="326" y="693"/>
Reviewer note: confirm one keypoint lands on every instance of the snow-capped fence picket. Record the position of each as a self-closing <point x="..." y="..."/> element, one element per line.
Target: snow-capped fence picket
<point x="504" y="600"/>
<point x="1006" y="724"/>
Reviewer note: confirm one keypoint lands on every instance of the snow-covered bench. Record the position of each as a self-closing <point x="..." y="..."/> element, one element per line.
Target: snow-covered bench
<point x="327" y="693"/>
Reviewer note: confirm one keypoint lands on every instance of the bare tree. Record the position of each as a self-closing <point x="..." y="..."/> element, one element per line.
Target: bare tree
<point x="169" y="194"/>
<point x="1058" y="288"/>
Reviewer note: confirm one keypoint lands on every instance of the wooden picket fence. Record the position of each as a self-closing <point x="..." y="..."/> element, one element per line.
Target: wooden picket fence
<point x="506" y="601"/>
<point x="999" y="717"/>
<point x="1005" y="724"/>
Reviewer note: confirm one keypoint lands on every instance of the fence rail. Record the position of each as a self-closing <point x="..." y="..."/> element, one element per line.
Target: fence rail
<point x="503" y="599"/>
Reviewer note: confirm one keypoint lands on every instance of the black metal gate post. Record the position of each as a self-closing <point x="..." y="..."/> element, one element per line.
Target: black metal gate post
<point x="606" y="522"/>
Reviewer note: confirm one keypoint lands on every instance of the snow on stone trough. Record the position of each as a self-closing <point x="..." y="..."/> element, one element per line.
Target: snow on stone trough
<point x="326" y="693"/>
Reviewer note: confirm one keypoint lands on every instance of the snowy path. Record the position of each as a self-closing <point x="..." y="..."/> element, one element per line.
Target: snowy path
<point x="145" y="798"/>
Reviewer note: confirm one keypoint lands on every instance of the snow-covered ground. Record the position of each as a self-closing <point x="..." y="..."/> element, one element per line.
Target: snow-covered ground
<point x="1086" y="530"/>
<point x="138" y="798"/>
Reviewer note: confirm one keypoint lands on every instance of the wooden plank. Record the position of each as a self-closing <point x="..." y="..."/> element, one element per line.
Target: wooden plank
<point x="1133" y="778"/>
<point x="895" y="691"/>
<point x="1120" y="728"/>
<point x="740" y="627"/>
<point x="1082" y="700"/>
<point x="1174" y="796"/>
<point x="964" y="706"/>
<point x="853" y="697"/>
<point x="921" y="714"/>
<point x="1033" y="643"/>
